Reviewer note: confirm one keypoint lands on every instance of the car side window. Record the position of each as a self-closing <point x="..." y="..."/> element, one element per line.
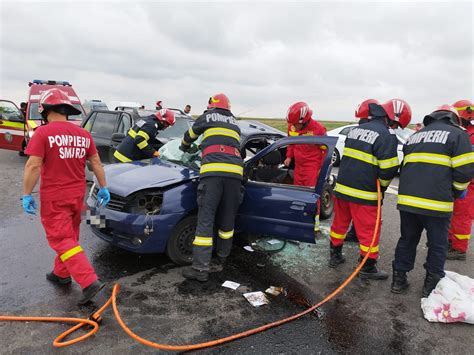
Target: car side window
<point x="125" y="123"/>
<point x="10" y="112"/>
<point x="346" y="131"/>
<point x="104" y="124"/>
<point x="90" y="122"/>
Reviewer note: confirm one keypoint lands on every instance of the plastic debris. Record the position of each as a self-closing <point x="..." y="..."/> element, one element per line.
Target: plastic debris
<point x="273" y="241"/>
<point x="274" y="291"/>
<point x="248" y="248"/>
<point x="231" y="284"/>
<point x="451" y="301"/>
<point x="257" y="298"/>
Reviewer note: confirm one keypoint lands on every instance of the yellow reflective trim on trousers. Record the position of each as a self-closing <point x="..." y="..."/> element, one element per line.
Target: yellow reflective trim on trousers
<point x="384" y="183"/>
<point x="184" y="142"/>
<point x="462" y="236"/>
<point x="121" y="157"/>
<point x="388" y="163"/>
<point x="222" y="167"/>
<point x="425" y="203"/>
<point x="221" y="132"/>
<point x="19" y="125"/>
<point x="335" y="235"/>
<point x="462" y="159"/>
<point x="374" y="249"/>
<point x="132" y="133"/>
<point x="203" y="241"/>
<point x="460" y="186"/>
<point x="428" y="158"/>
<point x="142" y="145"/>
<point x="293" y="134"/>
<point x="226" y="235"/>
<point x="70" y="253"/>
<point x="350" y="191"/>
<point x="191" y="133"/>
<point x="143" y="134"/>
<point x="360" y="155"/>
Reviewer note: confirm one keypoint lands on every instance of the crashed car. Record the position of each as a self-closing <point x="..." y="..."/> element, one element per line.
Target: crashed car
<point x="153" y="205"/>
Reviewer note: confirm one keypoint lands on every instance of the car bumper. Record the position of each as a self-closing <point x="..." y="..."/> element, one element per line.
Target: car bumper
<point x="133" y="232"/>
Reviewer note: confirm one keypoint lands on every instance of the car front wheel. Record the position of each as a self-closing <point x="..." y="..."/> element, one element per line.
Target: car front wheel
<point x="180" y="245"/>
<point x="327" y="201"/>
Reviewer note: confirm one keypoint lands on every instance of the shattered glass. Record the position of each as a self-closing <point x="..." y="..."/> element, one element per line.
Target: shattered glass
<point x="171" y="152"/>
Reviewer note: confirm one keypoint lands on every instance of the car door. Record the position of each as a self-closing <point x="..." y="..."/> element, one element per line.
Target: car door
<point x="101" y="125"/>
<point x="280" y="210"/>
<point x="12" y="126"/>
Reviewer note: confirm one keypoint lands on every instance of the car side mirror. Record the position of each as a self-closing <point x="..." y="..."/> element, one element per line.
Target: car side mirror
<point x="118" y="137"/>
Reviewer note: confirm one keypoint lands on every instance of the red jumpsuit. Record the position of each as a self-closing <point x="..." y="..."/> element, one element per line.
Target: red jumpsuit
<point x="64" y="148"/>
<point x="463" y="214"/>
<point x="308" y="158"/>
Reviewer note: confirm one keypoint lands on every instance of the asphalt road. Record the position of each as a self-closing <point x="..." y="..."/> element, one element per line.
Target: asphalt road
<point x="160" y="305"/>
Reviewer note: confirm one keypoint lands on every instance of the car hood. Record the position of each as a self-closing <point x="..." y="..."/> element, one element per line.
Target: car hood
<point x="126" y="178"/>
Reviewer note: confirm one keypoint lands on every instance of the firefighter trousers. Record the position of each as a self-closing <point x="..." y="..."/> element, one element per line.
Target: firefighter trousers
<point x="363" y="217"/>
<point x="218" y="200"/>
<point x="61" y="220"/>
<point x="461" y="222"/>
<point x="411" y="227"/>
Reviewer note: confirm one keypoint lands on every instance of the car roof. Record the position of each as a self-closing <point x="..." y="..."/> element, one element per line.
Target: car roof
<point x="250" y="127"/>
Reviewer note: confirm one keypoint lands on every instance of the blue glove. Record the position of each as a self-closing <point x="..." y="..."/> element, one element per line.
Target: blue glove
<point x="29" y="204"/>
<point x="463" y="195"/>
<point x="103" y="197"/>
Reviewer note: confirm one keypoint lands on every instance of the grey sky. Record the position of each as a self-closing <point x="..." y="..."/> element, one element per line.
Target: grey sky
<point x="263" y="56"/>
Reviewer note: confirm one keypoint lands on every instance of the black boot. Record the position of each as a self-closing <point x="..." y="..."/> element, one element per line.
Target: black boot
<point x="431" y="280"/>
<point x="217" y="264"/>
<point x="193" y="274"/>
<point x="336" y="258"/>
<point x="454" y="254"/>
<point x="351" y="236"/>
<point x="399" y="281"/>
<point x="58" y="280"/>
<point x="370" y="272"/>
<point x="89" y="292"/>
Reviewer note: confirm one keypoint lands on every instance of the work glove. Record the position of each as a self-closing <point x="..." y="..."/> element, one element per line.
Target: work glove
<point x="184" y="148"/>
<point x="463" y="195"/>
<point x="29" y="204"/>
<point x="103" y="197"/>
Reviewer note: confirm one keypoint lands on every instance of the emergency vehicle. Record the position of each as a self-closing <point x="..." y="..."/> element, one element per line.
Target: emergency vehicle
<point x="17" y="128"/>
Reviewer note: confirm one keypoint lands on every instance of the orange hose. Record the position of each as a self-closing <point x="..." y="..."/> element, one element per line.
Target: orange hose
<point x="113" y="300"/>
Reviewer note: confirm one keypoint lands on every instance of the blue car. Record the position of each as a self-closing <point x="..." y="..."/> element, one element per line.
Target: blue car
<point x="153" y="202"/>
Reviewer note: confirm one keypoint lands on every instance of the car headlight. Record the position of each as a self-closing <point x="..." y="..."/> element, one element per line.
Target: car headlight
<point x="148" y="203"/>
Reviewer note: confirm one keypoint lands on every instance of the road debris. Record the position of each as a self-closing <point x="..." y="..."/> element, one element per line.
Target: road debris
<point x="231" y="284"/>
<point x="274" y="291"/>
<point x="257" y="298"/>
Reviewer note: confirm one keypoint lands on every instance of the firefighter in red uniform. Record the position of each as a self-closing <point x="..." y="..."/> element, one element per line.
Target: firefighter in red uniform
<point x="370" y="153"/>
<point x="58" y="151"/>
<point x="308" y="158"/>
<point x="438" y="165"/>
<point x="362" y="113"/>
<point x="463" y="213"/>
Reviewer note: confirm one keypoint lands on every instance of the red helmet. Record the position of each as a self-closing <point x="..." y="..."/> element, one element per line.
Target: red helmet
<point x="465" y="108"/>
<point x="220" y="101"/>
<point x="442" y="112"/>
<point x="299" y="112"/>
<point x="166" y="116"/>
<point x="362" y="110"/>
<point x="399" y="111"/>
<point x="58" y="100"/>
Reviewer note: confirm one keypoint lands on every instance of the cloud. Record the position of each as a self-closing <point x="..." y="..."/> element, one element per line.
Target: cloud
<point x="264" y="56"/>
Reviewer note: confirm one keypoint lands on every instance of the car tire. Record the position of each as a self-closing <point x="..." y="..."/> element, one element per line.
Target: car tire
<point x="180" y="244"/>
<point x="327" y="201"/>
<point x="336" y="158"/>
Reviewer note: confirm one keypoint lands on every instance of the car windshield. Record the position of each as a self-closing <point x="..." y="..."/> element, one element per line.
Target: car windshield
<point x="171" y="152"/>
<point x="35" y="115"/>
<point x="177" y="130"/>
<point x="9" y="111"/>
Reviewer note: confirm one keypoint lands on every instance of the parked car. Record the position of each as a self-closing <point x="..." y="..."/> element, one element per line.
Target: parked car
<point x="153" y="202"/>
<point x="93" y="105"/>
<point x="12" y="126"/>
<point x="342" y="132"/>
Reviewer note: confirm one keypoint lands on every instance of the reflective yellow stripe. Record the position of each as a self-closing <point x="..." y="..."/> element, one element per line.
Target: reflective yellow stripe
<point x="335" y="235"/>
<point x="462" y="159"/>
<point x="132" y="133"/>
<point x="460" y="186"/>
<point x="142" y="145"/>
<point x="226" y="235"/>
<point x="384" y="183"/>
<point x="221" y="132"/>
<point x="317" y="224"/>
<point x="32" y="124"/>
<point x="464" y="108"/>
<point x="203" y="241"/>
<point x="388" y="163"/>
<point x="191" y="133"/>
<point x="70" y="253"/>
<point x="222" y="167"/>
<point x="184" y="142"/>
<point x="359" y="155"/>
<point x="121" y="157"/>
<point x="462" y="236"/>
<point x="428" y="158"/>
<point x="293" y="134"/>
<point x="350" y="191"/>
<point x="425" y="203"/>
<point x="18" y="125"/>
<point x="143" y="134"/>
<point x="374" y="249"/>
